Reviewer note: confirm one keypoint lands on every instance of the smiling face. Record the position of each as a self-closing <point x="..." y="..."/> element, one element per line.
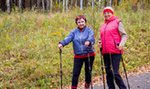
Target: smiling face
<point x="107" y="15"/>
<point x="81" y="23"/>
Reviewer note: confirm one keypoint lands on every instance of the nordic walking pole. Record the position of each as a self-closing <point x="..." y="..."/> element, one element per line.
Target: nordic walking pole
<point x="124" y="67"/>
<point x="102" y="68"/>
<point x="60" y="52"/>
<point x="90" y="70"/>
<point x="125" y="72"/>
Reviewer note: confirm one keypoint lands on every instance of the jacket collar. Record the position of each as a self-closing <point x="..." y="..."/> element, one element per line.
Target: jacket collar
<point x="111" y="19"/>
<point x="81" y="30"/>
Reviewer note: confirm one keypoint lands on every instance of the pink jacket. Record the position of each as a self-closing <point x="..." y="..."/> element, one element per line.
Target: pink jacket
<point x="110" y="36"/>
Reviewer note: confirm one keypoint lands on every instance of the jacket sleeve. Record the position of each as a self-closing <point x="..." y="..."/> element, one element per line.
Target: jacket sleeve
<point x="68" y="39"/>
<point x="91" y="37"/>
<point x="123" y="34"/>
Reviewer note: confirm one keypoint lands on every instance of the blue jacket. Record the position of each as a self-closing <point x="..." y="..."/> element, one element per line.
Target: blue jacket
<point x="78" y="38"/>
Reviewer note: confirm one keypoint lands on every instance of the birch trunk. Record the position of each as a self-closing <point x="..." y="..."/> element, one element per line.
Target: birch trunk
<point x="63" y="5"/>
<point x="20" y="5"/>
<point x="110" y="3"/>
<point x="51" y="5"/>
<point x="43" y="5"/>
<point x="81" y="4"/>
<point x="8" y="6"/>
<point x="66" y="5"/>
<point x="92" y="4"/>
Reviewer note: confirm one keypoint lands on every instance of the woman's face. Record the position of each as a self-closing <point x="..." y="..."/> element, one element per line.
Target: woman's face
<point x="107" y="15"/>
<point x="81" y="23"/>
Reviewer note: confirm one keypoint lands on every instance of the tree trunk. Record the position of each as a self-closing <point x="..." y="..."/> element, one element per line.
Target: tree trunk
<point x="118" y="2"/>
<point x="30" y="4"/>
<point x="20" y="5"/>
<point x="92" y="4"/>
<point x="3" y="5"/>
<point x="63" y="5"/>
<point x="58" y="1"/>
<point x="86" y="3"/>
<point x="81" y="4"/>
<point x="43" y="5"/>
<point x="51" y="5"/>
<point x="33" y="4"/>
<point x="67" y="5"/>
<point x="99" y="4"/>
<point x="38" y="4"/>
<point x="15" y="2"/>
<point x="47" y="4"/>
<point x="8" y="6"/>
<point x="110" y="3"/>
<point x="71" y="3"/>
<point x="105" y="3"/>
<point x="23" y="4"/>
<point x="76" y="3"/>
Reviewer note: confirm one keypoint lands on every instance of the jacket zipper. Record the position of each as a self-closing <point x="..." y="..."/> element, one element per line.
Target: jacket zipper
<point x="81" y="42"/>
<point x="104" y="36"/>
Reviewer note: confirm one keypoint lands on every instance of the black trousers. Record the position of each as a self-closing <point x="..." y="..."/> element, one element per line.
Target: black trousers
<point x="113" y="73"/>
<point x="78" y="62"/>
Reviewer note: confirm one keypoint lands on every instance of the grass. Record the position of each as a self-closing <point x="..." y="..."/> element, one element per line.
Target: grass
<point x="29" y="57"/>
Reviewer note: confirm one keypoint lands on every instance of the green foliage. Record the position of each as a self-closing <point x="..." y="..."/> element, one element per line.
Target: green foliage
<point x="29" y="57"/>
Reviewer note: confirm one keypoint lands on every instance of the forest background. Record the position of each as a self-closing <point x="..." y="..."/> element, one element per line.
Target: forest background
<point x="31" y="29"/>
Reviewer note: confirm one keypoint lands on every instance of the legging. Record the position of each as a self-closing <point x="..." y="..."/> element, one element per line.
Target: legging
<point x="113" y="73"/>
<point x="78" y="62"/>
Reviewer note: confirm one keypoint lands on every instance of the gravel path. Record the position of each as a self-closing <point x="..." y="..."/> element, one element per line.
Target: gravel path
<point x="140" y="81"/>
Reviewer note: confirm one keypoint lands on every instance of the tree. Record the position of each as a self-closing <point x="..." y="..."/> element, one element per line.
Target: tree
<point x="110" y="3"/>
<point x="81" y="4"/>
<point x="63" y="5"/>
<point x="58" y="1"/>
<point x="8" y="5"/>
<point x="105" y="3"/>
<point x="72" y="3"/>
<point x="67" y="5"/>
<point x="47" y="4"/>
<point x="8" y="2"/>
<point x="99" y="4"/>
<point x="43" y="5"/>
<point x="3" y="5"/>
<point x="92" y="4"/>
<point x="38" y="4"/>
<point x="20" y="5"/>
<point x="51" y="5"/>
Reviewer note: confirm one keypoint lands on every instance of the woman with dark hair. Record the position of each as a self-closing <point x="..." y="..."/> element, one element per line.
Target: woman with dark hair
<point x="112" y="40"/>
<point x="83" y="41"/>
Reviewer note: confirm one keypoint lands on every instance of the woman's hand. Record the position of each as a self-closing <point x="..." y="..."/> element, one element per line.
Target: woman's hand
<point x="120" y="47"/>
<point x="87" y="43"/>
<point x="60" y="46"/>
<point x="99" y="44"/>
